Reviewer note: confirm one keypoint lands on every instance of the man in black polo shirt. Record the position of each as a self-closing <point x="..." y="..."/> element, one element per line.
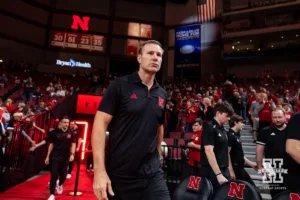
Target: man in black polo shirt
<point x="60" y="151"/>
<point x="214" y="155"/>
<point x="236" y="153"/>
<point x="133" y="106"/>
<point x="292" y="161"/>
<point x="75" y="131"/>
<point x="271" y="143"/>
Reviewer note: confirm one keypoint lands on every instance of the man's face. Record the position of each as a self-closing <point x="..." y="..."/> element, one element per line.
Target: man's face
<point x="278" y="118"/>
<point x="197" y="127"/>
<point x="223" y="118"/>
<point x="72" y="125"/>
<point x="65" y="124"/>
<point x="150" y="58"/>
<point x="240" y="126"/>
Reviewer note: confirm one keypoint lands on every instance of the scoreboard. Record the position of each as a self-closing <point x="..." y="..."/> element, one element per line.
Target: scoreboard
<point x="77" y="41"/>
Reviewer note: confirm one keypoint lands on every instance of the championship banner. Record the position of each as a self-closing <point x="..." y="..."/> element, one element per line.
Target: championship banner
<point x="77" y="41"/>
<point x="187" y="46"/>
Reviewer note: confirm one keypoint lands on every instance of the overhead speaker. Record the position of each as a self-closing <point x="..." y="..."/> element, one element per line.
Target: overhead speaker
<point x="179" y="1"/>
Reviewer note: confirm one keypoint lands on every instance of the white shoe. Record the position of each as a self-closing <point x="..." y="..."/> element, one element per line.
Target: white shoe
<point x="52" y="197"/>
<point x="69" y="176"/>
<point x="60" y="189"/>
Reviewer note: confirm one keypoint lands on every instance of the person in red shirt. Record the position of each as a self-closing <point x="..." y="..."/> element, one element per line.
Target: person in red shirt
<point x="265" y="109"/>
<point x="191" y="114"/>
<point x="194" y="146"/>
<point x="288" y="112"/>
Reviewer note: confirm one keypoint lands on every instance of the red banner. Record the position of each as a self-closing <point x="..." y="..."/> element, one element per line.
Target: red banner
<point x="85" y="42"/>
<point x="80" y="41"/>
<point x="58" y="38"/>
<point x="97" y="44"/>
<point x="87" y="104"/>
<point x="71" y="40"/>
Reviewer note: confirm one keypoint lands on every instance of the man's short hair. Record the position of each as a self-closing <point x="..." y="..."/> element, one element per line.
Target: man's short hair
<point x="197" y="120"/>
<point x="279" y="109"/>
<point x="64" y="117"/>
<point x="223" y="107"/>
<point x="149" y="42"/>
<point x="235" y="119"/>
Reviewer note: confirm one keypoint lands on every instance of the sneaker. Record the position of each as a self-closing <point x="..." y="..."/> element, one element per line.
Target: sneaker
<point x="60" y="189"/>
<point x="69" y="176"/>
<point x="52" y="197"/>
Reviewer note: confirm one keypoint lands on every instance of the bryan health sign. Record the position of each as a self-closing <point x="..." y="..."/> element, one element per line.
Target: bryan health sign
<point x="73" y="63"/>
<point x="187" y="46"/>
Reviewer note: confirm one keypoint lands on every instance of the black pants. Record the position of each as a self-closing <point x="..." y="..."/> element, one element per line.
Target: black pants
<point x="154" y="188"/>
<point x="292" y="182"/>
<point x="58" y="168"/>
<point x="208" y="173"/>
<point x="71" y="164"/>
<point x="89" y="160"/>
<point x="276" y="189"/>
<point x="241" y="174"/>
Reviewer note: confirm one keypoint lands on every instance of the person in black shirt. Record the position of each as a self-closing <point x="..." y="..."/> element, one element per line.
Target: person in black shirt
<point x="134" y="108"/>
<point x="75" y="131"/>
<point x="61" y="150"/>
<point x="292" y="160"/>
<point x="236" y="153"/>
<point x="214" y="155"/>
<point x="271" y="144"/>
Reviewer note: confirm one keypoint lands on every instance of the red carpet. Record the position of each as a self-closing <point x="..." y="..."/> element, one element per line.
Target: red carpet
<point x="38" y="188"/>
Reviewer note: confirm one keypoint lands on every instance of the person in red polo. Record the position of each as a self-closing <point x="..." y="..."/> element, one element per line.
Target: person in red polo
<point x="194" y="145"/>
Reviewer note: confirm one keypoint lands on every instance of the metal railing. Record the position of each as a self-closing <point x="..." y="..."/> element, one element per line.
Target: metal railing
<point x="17" y="163"/>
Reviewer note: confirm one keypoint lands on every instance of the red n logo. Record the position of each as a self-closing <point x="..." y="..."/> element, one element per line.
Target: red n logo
<point x="236" y="190"/>
<point x="83" y="23"/>
<point x="194" y="183"/>
<point x="294" y="196"/>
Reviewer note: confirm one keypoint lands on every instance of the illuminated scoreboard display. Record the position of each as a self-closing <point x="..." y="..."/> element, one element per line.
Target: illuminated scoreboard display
<point x="77" y="41"/>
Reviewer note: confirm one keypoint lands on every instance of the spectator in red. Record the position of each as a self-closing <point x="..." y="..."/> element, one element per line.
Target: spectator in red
<point x="8" y="104"/>
<point x="288" y="112"/>
<point x="265" y="109"/>
<point x="191" y="114"/>
<point x="194" y="145"/>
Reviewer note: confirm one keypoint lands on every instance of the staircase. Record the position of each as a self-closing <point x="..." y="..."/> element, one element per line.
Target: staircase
<point x="250" y="152"/>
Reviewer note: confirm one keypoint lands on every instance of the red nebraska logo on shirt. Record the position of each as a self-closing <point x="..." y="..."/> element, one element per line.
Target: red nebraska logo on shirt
<point x="160" y="102"/>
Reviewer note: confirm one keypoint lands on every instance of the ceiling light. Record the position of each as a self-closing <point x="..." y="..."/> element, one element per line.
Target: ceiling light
<point x="232" y="47"/>
<point x="272" y="46"/>
<point x="258" y="49"/>
<point x="282" y="37"/>
<point x="297" y="35"/>
<point x="1" y="60"/>
<point x="238" y="49"/>
<point x="238" y="42"/>
<point x="247" y="48"/>
<point x="250" y="40"/>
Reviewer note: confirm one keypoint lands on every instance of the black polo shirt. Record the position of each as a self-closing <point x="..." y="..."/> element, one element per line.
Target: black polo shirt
<point x="293" y="132"/>
<point x="273" y="140"/>
<point x="76" y="134"/>
<point x="62" y="141"/>
<point x="137" y="113"/>
<point x="215" y="135"/>
<point x="236" y="152"/>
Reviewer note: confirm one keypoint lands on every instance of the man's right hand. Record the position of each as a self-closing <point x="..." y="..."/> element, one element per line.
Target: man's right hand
<point x="101" y="185"/>
<point x="47" y="161"/>
<point x="221" y="179"/>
